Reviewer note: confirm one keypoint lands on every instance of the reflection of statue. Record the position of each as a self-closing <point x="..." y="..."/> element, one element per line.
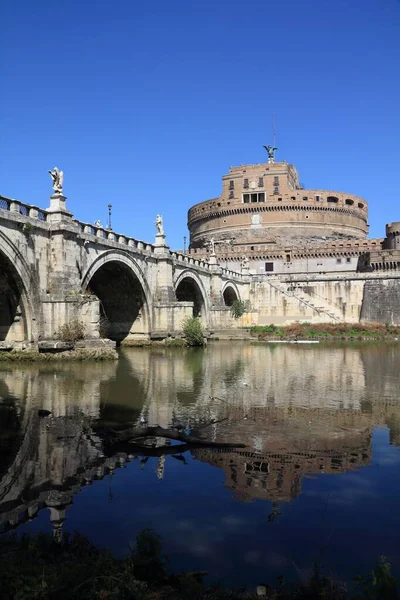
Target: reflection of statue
<point x="58" y="178"/>
<point x="271" y="153"/>
<point x="159" y="224"/>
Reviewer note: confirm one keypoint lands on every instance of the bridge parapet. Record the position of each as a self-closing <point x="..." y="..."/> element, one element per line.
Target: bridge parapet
<point x="103" y="233"/>
<point x="189" y="260"/>
<point x="27" y="210"/>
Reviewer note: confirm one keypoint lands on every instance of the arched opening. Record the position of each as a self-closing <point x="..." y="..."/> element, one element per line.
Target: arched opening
<point x="229" y="295"/>
<point x="13" y="324"/>
<point x="188" y="290"/>
<point x="123" y="306"/>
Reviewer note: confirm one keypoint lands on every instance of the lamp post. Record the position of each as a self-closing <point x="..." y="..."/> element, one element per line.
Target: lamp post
<point x="109" y="216"/>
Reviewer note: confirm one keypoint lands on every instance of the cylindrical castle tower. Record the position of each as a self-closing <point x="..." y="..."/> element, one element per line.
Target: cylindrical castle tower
<point x="392" y="241"/>
<point x="266" y="203"/>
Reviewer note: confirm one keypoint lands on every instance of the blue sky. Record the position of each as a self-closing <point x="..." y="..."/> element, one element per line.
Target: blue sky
<point x="146" y="104"/>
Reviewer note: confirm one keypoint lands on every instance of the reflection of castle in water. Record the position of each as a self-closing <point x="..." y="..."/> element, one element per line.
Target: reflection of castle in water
<point x="299" y="410"/>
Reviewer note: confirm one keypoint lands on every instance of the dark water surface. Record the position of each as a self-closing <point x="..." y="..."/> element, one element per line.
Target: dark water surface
<point x="320" y="474"/>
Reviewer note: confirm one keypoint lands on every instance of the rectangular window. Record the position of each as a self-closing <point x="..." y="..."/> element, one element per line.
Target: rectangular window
<point x="231" y="185"/>
<point x="246" y="183"/>
<point x="269" y="267"/>
<point x="276" y="191"/>
<point x="231" y="194"/>
<point x="348" y="260"/>
<point x="339" y="261"/>
<point x="276" y="180"/>
<point x="261" y="182"/>
<point x="317" y="198"/>
<point x="256" y="197"/>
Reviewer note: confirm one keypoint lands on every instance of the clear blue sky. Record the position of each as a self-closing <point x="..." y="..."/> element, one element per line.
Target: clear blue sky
<point x="146" y="104"/>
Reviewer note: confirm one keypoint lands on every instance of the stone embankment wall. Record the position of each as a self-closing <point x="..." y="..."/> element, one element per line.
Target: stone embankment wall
<point x="381" y="301"/>
<point x="319" y="300"/>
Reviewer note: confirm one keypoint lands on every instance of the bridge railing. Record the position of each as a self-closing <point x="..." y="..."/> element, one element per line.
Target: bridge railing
<point x="28" y="210"/>
<point x="229" y="273"/>
<point x="186" y="258"/>
<point x="107" y="234"/>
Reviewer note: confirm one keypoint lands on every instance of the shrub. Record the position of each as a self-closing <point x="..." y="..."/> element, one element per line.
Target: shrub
<point x="238" y="308"/>
<point x="71" y="332"/>
<point x="193" y="331"/>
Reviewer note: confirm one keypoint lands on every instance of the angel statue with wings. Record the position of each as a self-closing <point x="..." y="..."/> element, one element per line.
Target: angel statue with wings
<point x="271" y="153"/>
<point x="58" y="178"/>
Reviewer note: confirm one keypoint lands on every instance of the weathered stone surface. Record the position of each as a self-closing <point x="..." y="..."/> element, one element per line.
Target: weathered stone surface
<point x="50" y="346"/>
<point x="100" y="343"/>
<point x="6" y="346"/>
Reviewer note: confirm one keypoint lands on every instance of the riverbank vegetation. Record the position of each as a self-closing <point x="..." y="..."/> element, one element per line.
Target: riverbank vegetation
<point x="39" y="568"/>
<point x="193" y="332"/>
<point x="80" y="355"/>
<point x="326" y="331"/>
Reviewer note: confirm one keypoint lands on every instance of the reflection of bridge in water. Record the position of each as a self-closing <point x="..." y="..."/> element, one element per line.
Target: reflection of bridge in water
<point x="299" y="410"/>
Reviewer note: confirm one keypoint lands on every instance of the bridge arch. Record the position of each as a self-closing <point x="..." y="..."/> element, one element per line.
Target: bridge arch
<point x="125" y="298"/>
<point x="230" y="293"/>
<point x="18" y="297"/>
<point x="190" y="288"/>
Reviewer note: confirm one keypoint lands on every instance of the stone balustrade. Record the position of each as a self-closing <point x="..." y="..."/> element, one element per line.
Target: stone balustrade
<point x="26" y="210"/>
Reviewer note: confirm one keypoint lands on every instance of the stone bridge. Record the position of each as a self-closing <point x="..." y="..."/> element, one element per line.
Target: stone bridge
<point x="55" y="269"/>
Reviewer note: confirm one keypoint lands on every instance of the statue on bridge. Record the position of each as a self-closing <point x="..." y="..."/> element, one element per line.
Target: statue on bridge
<point x="159" y="225"/>
<point x="244" y="263"/>
<point x="58" y="178"/>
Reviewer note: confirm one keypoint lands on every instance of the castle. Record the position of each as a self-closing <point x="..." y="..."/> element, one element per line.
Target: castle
<point x="264" y="217"/>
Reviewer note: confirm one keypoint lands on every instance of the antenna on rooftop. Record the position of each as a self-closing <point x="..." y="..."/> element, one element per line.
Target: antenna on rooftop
<point x="273" y="130"/>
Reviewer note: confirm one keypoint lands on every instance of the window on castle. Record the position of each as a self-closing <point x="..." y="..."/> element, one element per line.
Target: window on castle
<point x="245" y="183"/>
<point x="276" y="180"/>
<point x="256" y="197"/>
<point x="305" y="197"/>
<point x="360" y="205"/>
<point x="317" y="198"/>
<point x="348" y="259"/>
<point x="231" y="194"/>
<point x="349" y="202"/>
<point x="269" y="266"/>
<point x="261" y="182"/>
<point x="339" y="261"/>
<point x="332" y="199"/>
<point x="231" y="185"/>
<point x="276" y="191"/>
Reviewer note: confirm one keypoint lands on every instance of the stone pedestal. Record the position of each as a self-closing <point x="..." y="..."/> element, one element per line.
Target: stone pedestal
<point x="213" y="260"/>
<point x="58" y="209"/>
<point x="160" y="244"/>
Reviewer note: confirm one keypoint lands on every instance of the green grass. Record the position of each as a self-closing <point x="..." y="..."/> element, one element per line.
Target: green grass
<point x="373" y="331"/>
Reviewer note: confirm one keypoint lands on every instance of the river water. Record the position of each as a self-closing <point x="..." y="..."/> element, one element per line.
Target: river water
<point x="319" y="476"/>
